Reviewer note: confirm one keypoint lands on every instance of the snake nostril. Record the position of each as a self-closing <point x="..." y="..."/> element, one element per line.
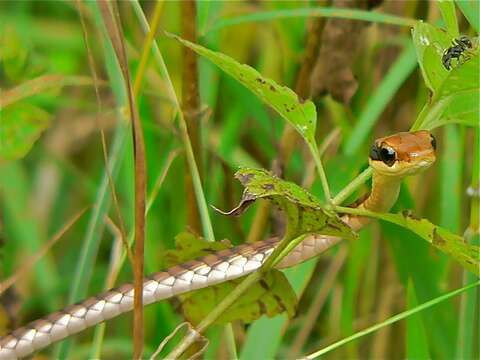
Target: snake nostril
<point x="433" y="142"/>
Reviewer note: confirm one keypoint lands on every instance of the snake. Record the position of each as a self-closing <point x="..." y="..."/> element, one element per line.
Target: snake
<point x="391" y="158"/>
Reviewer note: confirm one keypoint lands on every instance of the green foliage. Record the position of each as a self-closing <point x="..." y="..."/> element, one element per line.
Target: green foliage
<point x="20" y="126"/>
<point x="300" y="114"/>
<point x="189" y="247"/>
<point x="447" y="8"/>
<point x="455" y="92"/>
<point x="42" y="49"/>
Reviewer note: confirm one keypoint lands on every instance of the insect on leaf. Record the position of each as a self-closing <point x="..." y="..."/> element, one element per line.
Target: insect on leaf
<point x="301" y="115"/>
<point x="430" y="43"/>
<point x="20" y="126"/>
<point x="455" y="92"/>
<point x="304" y="212"/>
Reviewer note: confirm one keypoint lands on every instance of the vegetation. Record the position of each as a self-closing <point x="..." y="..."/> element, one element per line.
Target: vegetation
<point x="122" y="126"/>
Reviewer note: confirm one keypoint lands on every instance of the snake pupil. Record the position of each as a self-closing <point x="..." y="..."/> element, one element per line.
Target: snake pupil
<point x="387" y="155"/>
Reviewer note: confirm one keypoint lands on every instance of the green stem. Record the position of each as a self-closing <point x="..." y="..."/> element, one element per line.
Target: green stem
<point x="320" y="170"/>
<point x="213" y="315"/>
<point x="230" y="340"/>
<point x="354" y="185"/>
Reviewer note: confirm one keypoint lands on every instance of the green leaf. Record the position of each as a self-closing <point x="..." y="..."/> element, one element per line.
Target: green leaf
<point x="188" y="247"/>
<point x="270" y="296"/>
<point x="455" y="92"/>
<point x="304" y="212"/>
<point x="430" y="43"/>
<point x="447" y="8"/>
<point x="20" y="126"/>
<point x="451" y="244"/>
<point x="301" y="115"/>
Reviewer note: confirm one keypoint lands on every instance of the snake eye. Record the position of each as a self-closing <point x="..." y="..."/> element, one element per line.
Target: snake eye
<point x="387" y="155"/>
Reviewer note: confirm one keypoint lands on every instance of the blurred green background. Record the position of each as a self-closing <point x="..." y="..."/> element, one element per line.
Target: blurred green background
<point x="364" y="79"/>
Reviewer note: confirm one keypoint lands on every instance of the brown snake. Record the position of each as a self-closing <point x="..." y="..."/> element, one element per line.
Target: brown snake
<point x="392" y="158"/>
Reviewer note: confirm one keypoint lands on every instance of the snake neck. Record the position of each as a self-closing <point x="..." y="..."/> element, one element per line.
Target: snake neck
<point x="384" y="194"/>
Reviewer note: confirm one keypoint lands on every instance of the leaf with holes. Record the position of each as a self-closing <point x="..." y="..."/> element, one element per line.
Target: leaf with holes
<point x="304" y="212"/>
<point x="20" y="126"/>
<point x="301" y="115"/>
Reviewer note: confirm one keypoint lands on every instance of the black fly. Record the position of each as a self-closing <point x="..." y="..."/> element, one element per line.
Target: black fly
<point x="455" y="51"/>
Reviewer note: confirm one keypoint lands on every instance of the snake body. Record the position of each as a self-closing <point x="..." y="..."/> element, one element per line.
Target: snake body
<point x="392" y="158"/>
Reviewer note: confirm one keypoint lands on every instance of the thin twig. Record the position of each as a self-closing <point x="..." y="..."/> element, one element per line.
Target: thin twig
<point x="112" y="21"/>
<point x="191" y="106"/>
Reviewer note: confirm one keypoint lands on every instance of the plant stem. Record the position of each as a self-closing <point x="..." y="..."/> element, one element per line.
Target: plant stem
<point x="191" y="106"/>
<point x="350" y="188"/>
<point x="212" y="316"/>
<point x="321" y="171"/>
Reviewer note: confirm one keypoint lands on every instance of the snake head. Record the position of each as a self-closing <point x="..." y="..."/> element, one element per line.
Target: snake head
<point x="403" y="154"/>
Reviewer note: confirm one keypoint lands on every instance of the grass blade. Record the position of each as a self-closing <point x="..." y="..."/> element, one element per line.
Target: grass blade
<point x="330" y="12"/>
<point x="392" y="320"/>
